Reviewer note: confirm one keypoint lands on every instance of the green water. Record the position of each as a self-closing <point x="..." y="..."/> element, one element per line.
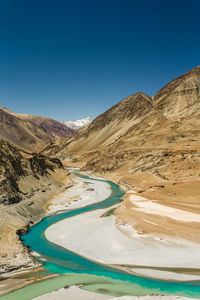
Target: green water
<point x="75" y="269"/>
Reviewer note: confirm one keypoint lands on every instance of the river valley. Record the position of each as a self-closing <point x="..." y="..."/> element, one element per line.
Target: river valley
<point x="74" y="269"/>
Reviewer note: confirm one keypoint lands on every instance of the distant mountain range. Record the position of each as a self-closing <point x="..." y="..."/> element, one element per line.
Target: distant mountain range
<point x="31" y="133"/>
<point x="79" y="124"/>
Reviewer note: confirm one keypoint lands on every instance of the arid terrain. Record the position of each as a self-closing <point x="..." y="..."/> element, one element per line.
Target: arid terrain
<point x="27" y="182"/>
<point x="31" y="133"/>
<point x="150" y="146"/>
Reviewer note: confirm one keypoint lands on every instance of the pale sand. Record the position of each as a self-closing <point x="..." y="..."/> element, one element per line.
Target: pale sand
<point x="15" y="280"/>
<point x="97" y="238"/>
<point x="75" y="293"/>
<point x="167" y="275"/>
<point x="72" y="293"/>
<point x="152" y="207"/>
<point x="83" y="192"/>
<point x="157" y="297"/>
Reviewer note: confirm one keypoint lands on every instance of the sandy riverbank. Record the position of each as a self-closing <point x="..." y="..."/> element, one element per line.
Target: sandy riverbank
<point x="109" y="244"/>
<point x="75" y="293"/>
<point x="81" y="192"/>
<point x="167" y="207"/>
<point x="98" y="238"/>
<point x="78" y="193"/>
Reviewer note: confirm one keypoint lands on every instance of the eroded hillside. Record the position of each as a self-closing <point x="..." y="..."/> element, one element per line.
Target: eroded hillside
<point x="151" y="147"/>
<point x="27" y="182"/>
<point x="52" y="127"/>
<point x="31" y="133"/>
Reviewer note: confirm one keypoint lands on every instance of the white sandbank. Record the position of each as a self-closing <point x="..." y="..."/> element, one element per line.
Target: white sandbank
<point x="83" y="192"/>
<point x="167" y="275"/>
<point x="72" y="293"/>
<point x="98" y="238"/>
<point x="75" y="293"/>
<point x="152" y="207"/>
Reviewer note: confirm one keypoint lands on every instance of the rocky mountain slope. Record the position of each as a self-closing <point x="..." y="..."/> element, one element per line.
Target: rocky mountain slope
<point x="15" y="167"/>
<point x="31" y="133"/>
<point x="22" y="134"/>
<point x="180" y="97"/>
<point x="110" y="127"/>
<point x="27" y="182"/>
<point x="52" y="127"/>
<point x="151" y="146"/>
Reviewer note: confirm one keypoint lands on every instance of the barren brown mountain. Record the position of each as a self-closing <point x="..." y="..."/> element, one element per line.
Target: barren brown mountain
<point x="52" y="127"/>
<point x="31" y="133"/>
<point x="22" y="134"/>
<point x="27" y="181"/>
<point x="151" y="147"/>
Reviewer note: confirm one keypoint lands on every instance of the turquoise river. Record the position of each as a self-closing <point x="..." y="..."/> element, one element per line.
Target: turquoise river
<point x="74" y="269"/>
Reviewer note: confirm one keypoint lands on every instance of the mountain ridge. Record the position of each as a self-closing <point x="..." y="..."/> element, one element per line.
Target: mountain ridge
<point x="148" y="145"/>
<point x="51" y="126"/>
<point x="22" y="134"/>
<point x="29" y="132"/>
<point x="180" y="97"/>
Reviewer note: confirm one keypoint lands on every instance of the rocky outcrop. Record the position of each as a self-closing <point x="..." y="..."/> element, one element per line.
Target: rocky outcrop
<point x="15" y="165"/>
<point x="27" y="182"/>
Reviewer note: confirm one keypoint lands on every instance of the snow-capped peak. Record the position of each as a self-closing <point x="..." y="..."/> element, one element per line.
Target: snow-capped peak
<point x="78" y="124"/>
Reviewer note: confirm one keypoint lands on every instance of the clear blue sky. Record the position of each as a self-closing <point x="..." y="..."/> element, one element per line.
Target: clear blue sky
<point x="70" y="59"/>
